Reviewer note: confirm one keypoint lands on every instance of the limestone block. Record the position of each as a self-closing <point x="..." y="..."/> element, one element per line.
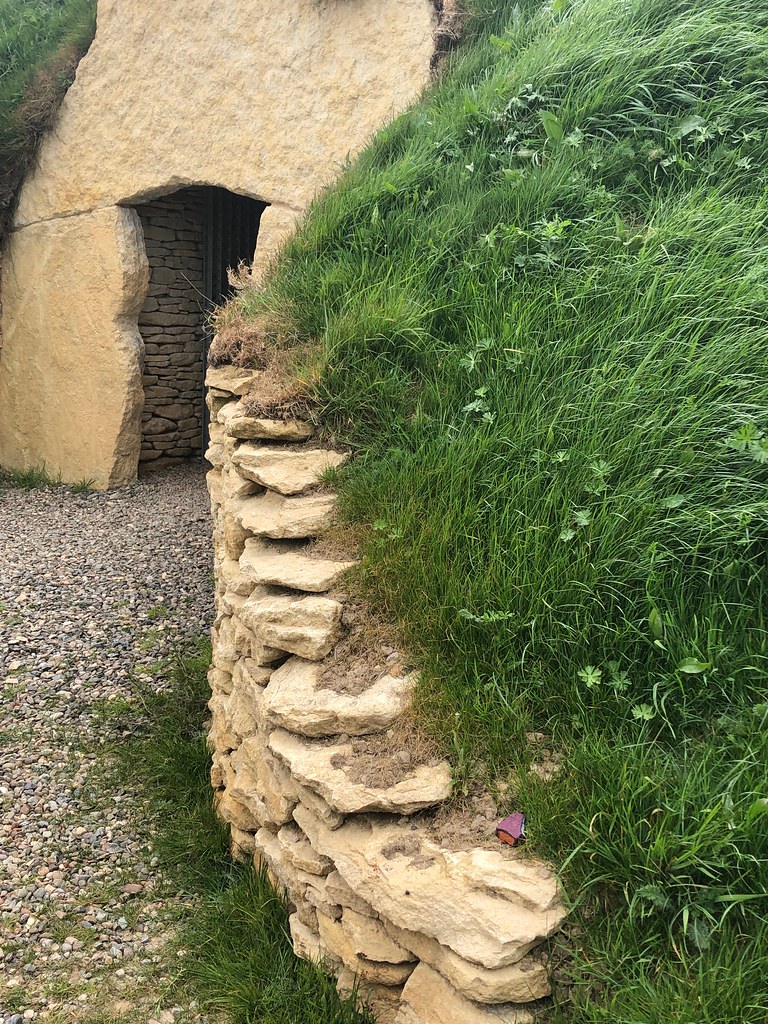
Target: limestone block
<point x="213" y="479"/>
<point x="234" y="486"/>
<point x="235" y="580"/>
<point x="229" y="602"/>
<point x="252" y="428"/>
<point x="231" y="379"/>
<point x="244" y="707"/>
<point x="221" y="736"/>
<point x="339" y="892"/>
<point x="235" y="534"/>
<point x="428" y="999"/>
<point x="271" y="515"/>
<point x="312" y="764"/>
<point x="71" y="391"/>
<point x="242" y="844"/>
<point x="287" y="472"/>
<point x="294" y="701"/>
<point x="420" y="887"/>
<point x="371" y="941"/>
<point x="298" y="850"/>
<point x="306" y="943"/>
<point x="261" y="784"/>
<point x="317" y="806"/>
<point x="307" y="626"/>
<point x="280" y="565"/>
<point x="301" y="887"/>
<point x="234" y="813"/>
<point x="523" y="982"/>
<point x="333" y="935"/>
<point x="219" y="680"/>
<point x="246" y="644"/>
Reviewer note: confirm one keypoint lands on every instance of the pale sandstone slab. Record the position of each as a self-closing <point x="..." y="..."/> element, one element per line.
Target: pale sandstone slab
<point x="311" y="764"/>
<point x="306" y="942"/>
<point x="272" y="515"/>
<point x="447" y="900"/>
<point x="298" y="850"/>
<point x="294" y="701"/>
<point x="233" y="812"/>
<point x="287" y="472"/>
<point x="261" y="782"/>
<point x="307" y="626"/>
<point x="234" y="579"/>
<point x="232" y="379"/>
<point x="234" y="420"/>
<point x="271" y="563"/>
<point x="429" y="999"/>
<point x="235" y="486"/>
<point x="371" y="941"/>
<point x="317" y="806"/>
<point x="71" y="392"/>
<point x="339" y="892"/>
<point x="301" y="886"/>
<point x="333" y="935"/>
<point x="523" y="982"/>
<point x="247" y="645"/>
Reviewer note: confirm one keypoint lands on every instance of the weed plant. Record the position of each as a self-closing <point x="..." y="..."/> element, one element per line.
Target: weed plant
<point x="536" y="308"/>
<point x="238" y="958"/>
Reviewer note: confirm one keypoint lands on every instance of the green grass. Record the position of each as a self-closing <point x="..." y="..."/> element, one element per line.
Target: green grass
<point x="238" y="960"/>
<point x="40" y="44"/>
<point x="536" y="309"/>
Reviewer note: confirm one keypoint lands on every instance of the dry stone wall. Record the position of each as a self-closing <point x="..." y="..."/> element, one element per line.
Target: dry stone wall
<point x="171" y="324"/>
<point x="430" y="935"/>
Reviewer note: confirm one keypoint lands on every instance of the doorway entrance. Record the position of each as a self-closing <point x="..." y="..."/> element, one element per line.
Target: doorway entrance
<point x="192" y="238"/>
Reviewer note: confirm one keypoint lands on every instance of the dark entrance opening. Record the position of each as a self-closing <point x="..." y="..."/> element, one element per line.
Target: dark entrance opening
<point x="192" y="238"/>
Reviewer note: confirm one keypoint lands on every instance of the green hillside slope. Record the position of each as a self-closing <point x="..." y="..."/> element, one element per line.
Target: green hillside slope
<point x="536" y="308"/>
<point x="41" y="42"/>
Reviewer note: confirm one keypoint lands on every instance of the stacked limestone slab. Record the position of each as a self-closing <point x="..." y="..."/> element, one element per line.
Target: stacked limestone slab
<point x="171" y="323"/>
<point x="428" y="935"/>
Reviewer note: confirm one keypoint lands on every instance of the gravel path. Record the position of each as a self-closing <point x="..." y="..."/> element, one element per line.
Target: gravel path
<point x="91" y="586"/>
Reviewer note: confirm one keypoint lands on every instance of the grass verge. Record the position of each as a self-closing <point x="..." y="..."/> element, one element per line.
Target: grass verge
<point x="536" y="308"/>
<point x="41" y="43"/>
<point x="237" y="960"/>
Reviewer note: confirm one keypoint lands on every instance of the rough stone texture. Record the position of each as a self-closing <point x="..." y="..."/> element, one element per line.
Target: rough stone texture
<point x="429" y="999"/>
<point x="522" y="982"/>
<point x="449" y="897"/>
<point x="336" y="938"/>
<point x="371" y="941"/>
<point x="294" y="701"/>
<point x="283" y="566"/>
<point x="272" y="515"/>
<point x="173" y="237"/>
<point x="306" y="943"/>
<point x="287" y="472"/>
<point x="70" y="365"/>
<point x="231" y="380"/>
<point x="312" y="765"/>
<point x="307" y="626"/>
<point x="249" y="428"/>
<point x="298" y="850"/>
<point x="265" y="100"/>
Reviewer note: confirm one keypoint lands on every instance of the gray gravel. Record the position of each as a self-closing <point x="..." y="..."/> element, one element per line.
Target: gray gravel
<point x="92" y="586"/>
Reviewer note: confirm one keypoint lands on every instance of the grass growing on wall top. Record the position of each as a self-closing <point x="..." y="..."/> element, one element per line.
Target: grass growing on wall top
<point x="41" y="42"/>
<point x="537" y="306"/>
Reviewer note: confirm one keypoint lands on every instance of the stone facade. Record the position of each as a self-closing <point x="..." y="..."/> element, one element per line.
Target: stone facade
<point x="171" y="324"/>
<point x="430" y="935"/>
<point x="265" y="100"/>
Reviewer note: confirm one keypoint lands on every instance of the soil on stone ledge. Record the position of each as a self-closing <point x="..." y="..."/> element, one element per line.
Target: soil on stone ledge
<point x="383" y="760"/>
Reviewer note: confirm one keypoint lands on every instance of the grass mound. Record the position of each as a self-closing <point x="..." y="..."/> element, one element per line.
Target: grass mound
<point x="41" y="43"/>
<point x="536" y="307"/>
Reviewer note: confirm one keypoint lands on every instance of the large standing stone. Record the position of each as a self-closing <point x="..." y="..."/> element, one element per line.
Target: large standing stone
<point x="311" y="764"/>
<point x="287" y="472"/>
<point x="420" y="887"/>
<point x="307" y="626"/>
<point x="294" y="701"/>
<point x="280" y="565"/>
